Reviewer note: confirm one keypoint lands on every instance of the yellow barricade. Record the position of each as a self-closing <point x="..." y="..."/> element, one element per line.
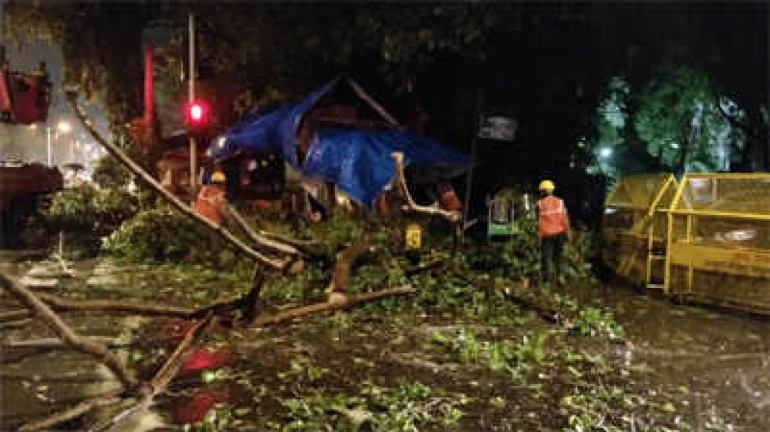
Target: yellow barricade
<point x="718" y="242"/>
<point x="635" y="226"/>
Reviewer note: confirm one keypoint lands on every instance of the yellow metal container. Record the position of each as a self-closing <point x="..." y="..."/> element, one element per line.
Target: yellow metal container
<point x="634" y="227"/>
<point x="719" y="240"/>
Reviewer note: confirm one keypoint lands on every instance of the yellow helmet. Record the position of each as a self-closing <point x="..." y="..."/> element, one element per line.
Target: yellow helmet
<point x="546" y="185"/>
<point x="218" y="177"/>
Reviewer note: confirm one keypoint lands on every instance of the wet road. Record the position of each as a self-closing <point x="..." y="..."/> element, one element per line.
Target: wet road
<point x="721" y="361"/>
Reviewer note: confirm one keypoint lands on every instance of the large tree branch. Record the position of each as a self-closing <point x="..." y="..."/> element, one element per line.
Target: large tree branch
<point x="263" y="241"/>
<point x="68" y="336"/>
<point x="140" y="173"/>
<point x="268" y="320"/>
<point x="61" y="304"/>
<point x="305" y="246"/>
<point x="343" y="268"/>
<point x="74" y="412"/>
<point x="452" y="216"/>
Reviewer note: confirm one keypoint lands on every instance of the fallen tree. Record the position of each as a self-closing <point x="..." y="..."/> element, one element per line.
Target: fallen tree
<point x="221" y="231"/>
<point x="273" y="254"/>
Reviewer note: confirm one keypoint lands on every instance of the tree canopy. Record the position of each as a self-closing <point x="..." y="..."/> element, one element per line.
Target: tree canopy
<point x="546" y="64"/>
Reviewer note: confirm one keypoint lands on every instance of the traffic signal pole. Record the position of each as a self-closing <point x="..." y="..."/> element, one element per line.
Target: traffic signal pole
<point x="191" y="99"/>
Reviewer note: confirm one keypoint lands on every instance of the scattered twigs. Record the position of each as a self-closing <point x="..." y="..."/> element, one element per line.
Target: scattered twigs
<point x="246" y="303"/>
<point x="260" y="240"/>
<point x="267" y="320"/>
<point x="61" y="304"/>
<point x="453" y="217"/>
<point x="10" y="325"/>
<point x="59" y="256"/>
<point x="428" y="266"/>
<point x="517" y="296"/>
<point x="344" y="266"/>
<point x="74" y="412"/>
<point x="302" y="245"/>
<point x="251" y="304"/>
<point x="49" y="343"/>
<point x="14" y="315"/>
<point x="68" y="336"/>
<point x="140" y="173"/>
<point x="170" y="368"/>
<point x="159" y="383"/>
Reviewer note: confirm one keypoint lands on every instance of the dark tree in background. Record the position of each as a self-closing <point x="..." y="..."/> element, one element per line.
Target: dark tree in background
<point x="548" y="64"/>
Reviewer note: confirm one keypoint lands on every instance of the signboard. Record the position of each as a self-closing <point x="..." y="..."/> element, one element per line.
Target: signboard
<point x="497" y="127"/>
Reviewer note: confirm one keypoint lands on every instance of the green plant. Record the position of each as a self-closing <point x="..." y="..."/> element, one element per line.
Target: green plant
<point x="161" y="235"/>
<point x="219" y="418"/>
<point x="302" y="368"/>
<point x="85" y="209"/>
<point x="515" y="358"/>
<point x="109" y="173"/>
<point x="408" y="407"/>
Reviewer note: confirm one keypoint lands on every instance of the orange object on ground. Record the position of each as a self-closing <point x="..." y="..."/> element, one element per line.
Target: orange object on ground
<point x="209" y="204"/>
<point x="448" y="200"/>
<point x="552" y="217"/>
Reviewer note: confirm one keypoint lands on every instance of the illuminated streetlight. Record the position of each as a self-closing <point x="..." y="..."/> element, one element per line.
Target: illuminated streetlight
<point x="64" y="127"/>
<point x="605" y="152"/>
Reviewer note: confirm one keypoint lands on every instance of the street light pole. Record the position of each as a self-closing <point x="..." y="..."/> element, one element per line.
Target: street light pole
<point x="191" y="99"/>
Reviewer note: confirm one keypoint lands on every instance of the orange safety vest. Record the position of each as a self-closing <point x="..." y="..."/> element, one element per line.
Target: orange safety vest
<point x="209" y="202"/>
<point x="552" y="217"/>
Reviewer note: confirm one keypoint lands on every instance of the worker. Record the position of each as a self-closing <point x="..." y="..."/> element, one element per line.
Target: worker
<point x="211" y="198"/>
<point x="553" y="230"/>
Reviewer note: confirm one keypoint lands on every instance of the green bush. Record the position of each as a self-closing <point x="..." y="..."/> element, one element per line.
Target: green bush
<point x="520" y="256"/>
<point x="87" y="210"/>
<point x="109" y="173"/>
<point x="162" y="235"/>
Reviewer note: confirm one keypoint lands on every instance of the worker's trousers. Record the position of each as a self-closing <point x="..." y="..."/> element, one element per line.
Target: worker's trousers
<point x="551" y="248"/>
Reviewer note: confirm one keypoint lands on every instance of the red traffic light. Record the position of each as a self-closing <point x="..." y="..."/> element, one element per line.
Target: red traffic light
<point x="197" y="113"/>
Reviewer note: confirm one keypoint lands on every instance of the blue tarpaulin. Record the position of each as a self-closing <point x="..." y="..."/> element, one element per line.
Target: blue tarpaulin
<point x="358" y="161"/>
<point x="273" y="132"/>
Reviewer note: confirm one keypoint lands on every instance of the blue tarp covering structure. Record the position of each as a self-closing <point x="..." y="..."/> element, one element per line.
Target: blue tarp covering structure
<point x="273" y="132"/>
<point x="358" y="161"/>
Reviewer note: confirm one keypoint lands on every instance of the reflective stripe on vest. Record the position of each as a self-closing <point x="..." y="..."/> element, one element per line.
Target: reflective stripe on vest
<point x="553" y="216"/>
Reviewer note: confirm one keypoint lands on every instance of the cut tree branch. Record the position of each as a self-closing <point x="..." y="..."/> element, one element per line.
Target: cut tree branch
<point x="170" y="368"/>
<point x="258" y="239"/>
<point x="303" y="245"/>
<point x="343" y="268"/>
<point x="61" y="304"/>
<point x="68" y="336"/>
<point x="159" y="383"/>
<point x="74" y="412"/>
<point x="452" y="216"/>
<point x="268" y="320"/>
<point x="140" y="173"/>
<point x="15" y="315"/>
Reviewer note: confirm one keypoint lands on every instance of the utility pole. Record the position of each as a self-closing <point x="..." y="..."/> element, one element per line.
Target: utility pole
<point x="191" y="99"/>
<point x="474" y="156"/>
<point x="48" y="145"/>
